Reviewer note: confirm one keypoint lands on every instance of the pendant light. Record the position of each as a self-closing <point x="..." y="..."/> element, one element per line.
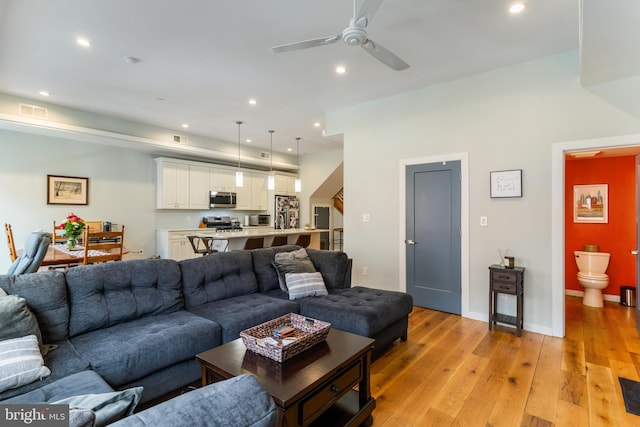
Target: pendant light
<point x="239" y="174"/>
<point x="298" y="182"/>
<point x="271" y="179"/>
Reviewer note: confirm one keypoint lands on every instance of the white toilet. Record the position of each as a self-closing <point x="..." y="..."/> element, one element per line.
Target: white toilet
<point x="591" y="276"/>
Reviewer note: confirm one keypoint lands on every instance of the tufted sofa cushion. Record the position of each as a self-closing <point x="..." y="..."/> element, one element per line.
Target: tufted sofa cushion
<point x="217" y="277"/>
<point x="46" y="295"/>
<point x="103" y="295"/>
<point x="134" y="349"/>
<point x="360" y="310"/>
<point x="239" y="313"/>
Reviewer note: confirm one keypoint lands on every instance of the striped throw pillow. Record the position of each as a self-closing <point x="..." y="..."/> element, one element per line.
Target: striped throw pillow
<point x="21" y="362"/>
<point x="302" y="285"/>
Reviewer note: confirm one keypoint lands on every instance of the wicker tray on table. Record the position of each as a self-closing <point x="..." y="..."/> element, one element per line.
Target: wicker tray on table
<point x="308" y="332"/>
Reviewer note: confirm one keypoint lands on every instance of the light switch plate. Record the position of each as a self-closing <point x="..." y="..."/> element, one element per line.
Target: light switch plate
<point x="366" y="217"/>
<point x="483" y="221"/>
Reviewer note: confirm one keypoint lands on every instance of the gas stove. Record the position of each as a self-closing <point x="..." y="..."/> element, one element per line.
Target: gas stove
<point x="221" y="223"/>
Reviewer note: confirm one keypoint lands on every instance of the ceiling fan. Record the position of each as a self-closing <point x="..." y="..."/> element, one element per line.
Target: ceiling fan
<point x="354" y="35"/>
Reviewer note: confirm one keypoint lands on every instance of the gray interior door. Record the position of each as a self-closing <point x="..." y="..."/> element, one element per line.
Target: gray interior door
<point x="321" y="214"/>
<point x="433" y="235"/>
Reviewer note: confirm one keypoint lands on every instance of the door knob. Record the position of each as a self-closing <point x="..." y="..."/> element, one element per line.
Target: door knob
<point x="410" y="242"/>
<point x="634" y="252"/>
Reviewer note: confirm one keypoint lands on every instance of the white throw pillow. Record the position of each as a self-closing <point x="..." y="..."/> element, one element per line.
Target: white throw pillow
<point x="302" y="285"/>
<point x="21" y="362"/>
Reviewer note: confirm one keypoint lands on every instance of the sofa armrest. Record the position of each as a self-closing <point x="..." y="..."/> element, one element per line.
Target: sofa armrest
<point x="347" y="274"/>
<point x="238" y="402"/>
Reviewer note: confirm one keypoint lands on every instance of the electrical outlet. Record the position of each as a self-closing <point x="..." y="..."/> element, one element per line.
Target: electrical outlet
<point x="365" y="271"/>
<point x="483" y="221"/>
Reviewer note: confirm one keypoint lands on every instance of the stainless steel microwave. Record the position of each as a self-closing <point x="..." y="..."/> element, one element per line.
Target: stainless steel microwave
<point x="222" y="199"/>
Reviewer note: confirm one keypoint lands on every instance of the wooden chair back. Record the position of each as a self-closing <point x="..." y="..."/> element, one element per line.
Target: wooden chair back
<point x="12" y="244"/>
<point x="254" y="243"/>
<point x="57" y="235"/>
<point x="110" y="243"/>
<point x="303" y="240"/>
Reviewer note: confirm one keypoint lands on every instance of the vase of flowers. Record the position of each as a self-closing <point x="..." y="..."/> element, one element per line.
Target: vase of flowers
<point x="72" y="227"/>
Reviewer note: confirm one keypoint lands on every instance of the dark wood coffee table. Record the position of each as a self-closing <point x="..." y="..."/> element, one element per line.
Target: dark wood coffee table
<point x="316" y="387"/>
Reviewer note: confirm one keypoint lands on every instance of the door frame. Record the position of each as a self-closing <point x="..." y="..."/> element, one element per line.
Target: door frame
<point x="312" y="220"/>
<point x="464" y="221"/>
<point x="558" y="151"/>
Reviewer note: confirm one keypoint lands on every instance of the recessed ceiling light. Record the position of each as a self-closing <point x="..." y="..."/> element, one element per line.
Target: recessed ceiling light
<point x="289" y="149"/>
<point x="248" y="140"/>
<point x="44" y="93"/>
<point x="517" y="7"/>
<point x="83" y="42"/>
<point x="185" y="125"/>
<point x="131" y="59"/>
<point x="317" y="124"/>
<point x="252" y="101"/>
<point x="340" y="69"/>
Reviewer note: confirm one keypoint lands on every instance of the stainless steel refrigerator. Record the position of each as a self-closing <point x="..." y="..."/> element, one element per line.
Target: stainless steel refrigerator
<point x="287" y="212"/>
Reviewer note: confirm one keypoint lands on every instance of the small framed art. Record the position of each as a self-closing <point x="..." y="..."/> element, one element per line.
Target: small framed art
<point x="67" y="190"/>
<point x="591" y="203"/>
<point x="506" y="183"/>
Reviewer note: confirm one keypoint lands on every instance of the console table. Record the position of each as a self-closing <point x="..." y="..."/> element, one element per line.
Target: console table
<point x="510" y="281"/>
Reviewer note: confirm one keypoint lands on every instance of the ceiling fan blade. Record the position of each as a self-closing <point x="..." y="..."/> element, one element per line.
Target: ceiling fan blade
<point x="385" y="56"/>
<point x="367" y="11"/>
<point x="305" y="44"/>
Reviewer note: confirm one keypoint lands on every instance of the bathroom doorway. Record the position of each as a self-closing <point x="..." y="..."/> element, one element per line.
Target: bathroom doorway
<point x="631" y="145"/>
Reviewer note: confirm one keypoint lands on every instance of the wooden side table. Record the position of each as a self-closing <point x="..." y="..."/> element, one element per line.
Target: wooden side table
<point x="506" y="281"/>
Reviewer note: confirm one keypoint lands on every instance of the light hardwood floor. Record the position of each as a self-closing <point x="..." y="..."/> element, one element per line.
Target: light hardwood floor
<point x="455" y="372"/>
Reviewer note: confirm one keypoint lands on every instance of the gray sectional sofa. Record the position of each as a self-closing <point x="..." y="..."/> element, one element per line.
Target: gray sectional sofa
<point x="140" y="323"/>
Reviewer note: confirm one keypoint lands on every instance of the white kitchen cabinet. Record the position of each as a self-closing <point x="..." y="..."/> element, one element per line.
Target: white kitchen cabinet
<point x="285" y="185"/>
<point x="198" y="187"/>
<point x="259" y="196"/>
<point x="172" y="186"/>
<point x="252" y="196"/>
<point x="174" y="245"/>
<point x="222" y="179"/>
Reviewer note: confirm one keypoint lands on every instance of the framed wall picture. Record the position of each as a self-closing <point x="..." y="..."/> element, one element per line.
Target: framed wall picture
<point x="506" y="183"/>
<point x="591" y="203"/>
<point x="67" y="190"/>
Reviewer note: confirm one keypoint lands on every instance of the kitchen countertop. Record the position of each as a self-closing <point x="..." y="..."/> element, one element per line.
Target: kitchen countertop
<point x="246" y="232"/>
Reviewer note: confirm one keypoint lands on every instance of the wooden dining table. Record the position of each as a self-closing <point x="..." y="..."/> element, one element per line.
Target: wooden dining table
<point x="56" y="257"/>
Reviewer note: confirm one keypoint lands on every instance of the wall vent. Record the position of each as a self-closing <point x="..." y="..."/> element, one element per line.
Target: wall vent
<point x="179" y="139"/>
<point x="33" y="111"/>
<point x="265" y="155"/>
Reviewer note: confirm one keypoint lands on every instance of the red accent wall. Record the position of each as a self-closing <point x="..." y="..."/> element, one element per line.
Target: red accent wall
<point x="618" y="236"/>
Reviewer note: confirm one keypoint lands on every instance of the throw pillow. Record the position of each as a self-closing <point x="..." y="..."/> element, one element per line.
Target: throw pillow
<point x="20" y="362"/>
<point x="107" y="407"/>
<point x="80" y="417"/>
<point x="302" y="285"/>
<point x="292" y="262"/>
<point x="18" y="321"/>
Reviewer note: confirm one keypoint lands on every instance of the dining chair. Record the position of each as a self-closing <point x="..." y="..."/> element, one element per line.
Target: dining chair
<point x="57" y="235"/>
<point x="35" y="248"/>
<point x="12" y="245"/>
<point x="102" y="246"/>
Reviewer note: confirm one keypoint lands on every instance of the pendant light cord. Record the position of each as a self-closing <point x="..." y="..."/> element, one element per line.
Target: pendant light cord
<point x="271" y="149"/>
<point x="238" y="123"/>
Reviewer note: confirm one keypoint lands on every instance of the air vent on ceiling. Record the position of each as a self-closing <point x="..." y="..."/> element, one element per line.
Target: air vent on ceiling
<point x="33" y="111"/>
<point x="265" y="155"/>
<point x="179" y="139"/>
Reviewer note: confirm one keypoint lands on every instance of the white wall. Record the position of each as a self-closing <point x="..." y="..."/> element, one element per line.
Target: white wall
<point x="504" y="119"/>
<point x="314" y="171"/>
<point x="121" y="187"/>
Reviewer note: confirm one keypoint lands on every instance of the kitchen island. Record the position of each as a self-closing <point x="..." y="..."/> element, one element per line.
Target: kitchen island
<point x="174" y="243"/>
